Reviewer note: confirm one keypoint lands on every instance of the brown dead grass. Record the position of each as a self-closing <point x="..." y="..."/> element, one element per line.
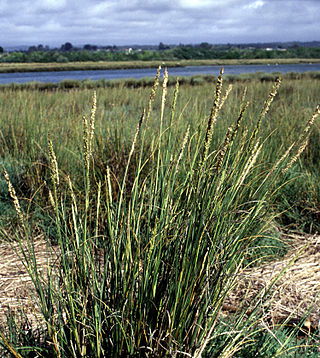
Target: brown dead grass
<point x="16" y="289"/>
<point x="296" y="295"/>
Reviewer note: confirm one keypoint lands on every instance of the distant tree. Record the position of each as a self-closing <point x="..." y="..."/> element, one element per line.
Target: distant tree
<point x="162" y="47"/>
<point x="62" y="59"/>
<point x="17" y="57"/>
<point x="205" y="45"/>
<point x="66" y="47"/>
<point x="89" y="47"/>
<point x="1" y="49"/>
<point x="32" y="49"/>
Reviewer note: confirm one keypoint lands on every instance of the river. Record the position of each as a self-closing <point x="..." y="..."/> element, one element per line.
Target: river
<point x="58" y="76"/>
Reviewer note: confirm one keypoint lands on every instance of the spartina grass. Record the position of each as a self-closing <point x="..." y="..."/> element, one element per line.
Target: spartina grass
<point x="244" y="95"/>
<point x="88" y="131"/>
<point x="311" y="121"/>
<point x="53" y="164"/>
<point x="164" y="94"/>
<point x="14" y="197"/>
<point x="184" y="143"/>
<point x="225" y="96"/>
<point x="224" y="148"/>
<point x="266" y="107"/>
<point x="145" y="271"/>
<point x="303" y="140"/>
<point x="152" y="95"/>
<point x="92" y="118"/>
<point x="213" y="116"/>
<point x="296" y="156"/>
<point x="250" y="163"/>
<point x="239" y="120"/>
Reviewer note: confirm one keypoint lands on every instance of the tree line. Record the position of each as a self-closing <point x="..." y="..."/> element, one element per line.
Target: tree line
<point x="68" y="53"/>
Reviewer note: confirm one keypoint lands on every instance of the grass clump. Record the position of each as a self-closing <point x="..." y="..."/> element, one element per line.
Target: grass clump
<point x="144" y="258"/>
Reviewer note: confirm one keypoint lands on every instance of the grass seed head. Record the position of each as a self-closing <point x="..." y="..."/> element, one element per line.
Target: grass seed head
<point x="85" y="137"/>
<point x="297" y="155"/>
<point x="239" y="120"/>
<point x="53" y="163"/>
<point x="153" y="93"/>
<point x="93" y="115"/>
<point x="312" y="119"/>
<point x="223" y="99"/>
<point x="13" y="196"/>
<point x="213" y="115"/>
<point x="224" y="148"/>
<point x="184" y="143"/>
<point x="270" y="98"/>
<point x="244" y="95"/>
<point x="164" y="93"/>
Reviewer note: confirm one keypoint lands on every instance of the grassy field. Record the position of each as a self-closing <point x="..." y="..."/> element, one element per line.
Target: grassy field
<point x="154" y="203"/>
<point x="36" y="67"/>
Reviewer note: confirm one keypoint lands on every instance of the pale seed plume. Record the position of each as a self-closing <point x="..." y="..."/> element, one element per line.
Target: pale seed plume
<point x="244" y="95"/>
<point x="175" y="96"/>
<point x="239" y="120"/>
<point x="93" y="116"/>
<point x="224" y="148"/>
<point x="51" y="199"/>
<point x="251" y="161"/>
<point x="88" y="132"/>
<point x="53" y="163"/>
<point x="213" y="115"/>
<point x="164" y="93"/>
<point x="266" y="107"/>
<point x="153" y="94"/>
<point x="270" y="98"/>
<point x="297" y="155"/>
<point x="223" y="99"/>
<point x="184" y="143"/>
<point x="86" y="149"/>
<point x="13" y="196"/>
<point x="312" y="119"/>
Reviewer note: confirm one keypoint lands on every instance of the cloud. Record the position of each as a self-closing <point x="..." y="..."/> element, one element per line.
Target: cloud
<point x="52" y="4"/>
<point x="150" y="21"/>
<point x="195" y="4"/>
<point x="254" y="5"/>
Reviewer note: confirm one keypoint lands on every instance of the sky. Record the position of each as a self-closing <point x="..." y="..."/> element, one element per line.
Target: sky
<point x="124" y="22"/>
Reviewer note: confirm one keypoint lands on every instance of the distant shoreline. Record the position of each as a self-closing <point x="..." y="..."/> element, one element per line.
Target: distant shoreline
<point x="78" y="66"/>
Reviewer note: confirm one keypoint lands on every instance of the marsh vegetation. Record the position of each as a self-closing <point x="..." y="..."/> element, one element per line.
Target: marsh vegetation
<point x="151" y="206"/>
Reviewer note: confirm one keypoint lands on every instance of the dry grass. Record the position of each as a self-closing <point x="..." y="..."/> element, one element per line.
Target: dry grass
<point x="16" y="288"/>
<point x="296" y="294"/>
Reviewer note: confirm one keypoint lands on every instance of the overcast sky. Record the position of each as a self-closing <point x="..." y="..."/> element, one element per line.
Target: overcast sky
<point x="120" y="22"/>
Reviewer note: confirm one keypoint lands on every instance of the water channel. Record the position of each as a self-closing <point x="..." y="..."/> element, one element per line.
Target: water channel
<point x="58" y="76"/>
